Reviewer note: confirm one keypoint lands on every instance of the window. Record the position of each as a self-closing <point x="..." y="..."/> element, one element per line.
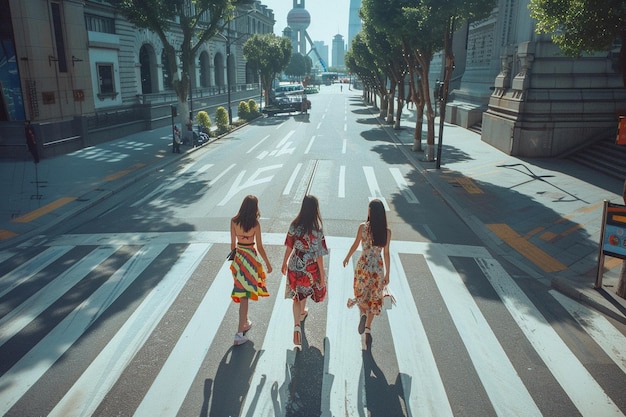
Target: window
<point x="101" y="24"/>
<point x="106" y="81"/>
<point x="58" y="36"/>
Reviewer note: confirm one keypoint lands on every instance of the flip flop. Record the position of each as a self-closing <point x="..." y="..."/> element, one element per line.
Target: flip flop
<point x="297" y="337"/>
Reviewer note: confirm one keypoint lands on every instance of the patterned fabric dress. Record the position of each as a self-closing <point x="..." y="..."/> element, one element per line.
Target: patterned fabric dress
<point x="369" y="274"/>
<point x="302" y="268"/>
<point x="248" y="274"/>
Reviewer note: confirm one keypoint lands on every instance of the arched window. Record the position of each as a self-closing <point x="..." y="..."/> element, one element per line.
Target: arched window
<point x="147" y="63"/>
<point x="205" y="73"/>
<point x="219" y="67"/>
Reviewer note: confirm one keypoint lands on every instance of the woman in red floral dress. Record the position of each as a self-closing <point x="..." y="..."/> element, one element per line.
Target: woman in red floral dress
<point x="304" y="263"/>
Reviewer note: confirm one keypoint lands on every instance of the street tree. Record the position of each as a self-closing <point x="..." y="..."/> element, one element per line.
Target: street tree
<point x="198" y="22"/>
<point x="297" y="66"/>
<point x="360" y="60"/>
<point x="269" y="55"/>
<point x="583" y="26"/>
<point x="425" y="27"/>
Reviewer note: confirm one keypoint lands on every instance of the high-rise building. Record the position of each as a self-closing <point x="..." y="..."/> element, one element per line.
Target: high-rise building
<point x="339" y="50"/>
<point x="354" y="21"/>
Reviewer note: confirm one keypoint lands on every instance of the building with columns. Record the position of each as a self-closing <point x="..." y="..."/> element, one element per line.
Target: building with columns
<point x="528" y="98"/>
<point x="69" y="63"/>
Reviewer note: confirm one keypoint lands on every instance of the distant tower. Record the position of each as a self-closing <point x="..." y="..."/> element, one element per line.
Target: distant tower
<point x="298" y="20"/>
<point x="354" y="21"/>
<point x="339" y="50"/>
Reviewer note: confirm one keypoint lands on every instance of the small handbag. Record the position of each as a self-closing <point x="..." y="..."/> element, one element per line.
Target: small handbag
<point x="231" y="255"/>
<point x="388" y="299"/>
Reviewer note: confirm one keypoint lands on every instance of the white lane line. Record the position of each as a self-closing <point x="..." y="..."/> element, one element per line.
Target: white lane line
<point x="308" y="148"/>
<point x="342" y="182"/>
<point x="223" y="237"/>
<point x="505" y="389"/>
<point x="292" y="179"/>
<point x="268" y="394"/>
<point x="372" y="184"/>
<point x="21" y="377"/>
<point x="258" y="144"/>
<point x="343" y="390"/>
<point x="21" y="316"/>
<point x="164" y="398"/>
<point x="403" y="186"/>
<point x="204" y="168"/>
<point x="344" y="146"/>
<point x="424" y="392"/>
<point x="284" y="140"/>
<point x="31" y="267"/>
<point x="586" y="394"/>
<point x="252" y="181"/>
<point x="6" y="255"/>
<point x="598" y="327"/>
<point x="91" y="388"/>
<point x="215" y="180"/>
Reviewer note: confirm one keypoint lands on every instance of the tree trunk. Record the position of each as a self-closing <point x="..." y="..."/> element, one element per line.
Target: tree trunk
<point x="391" y="103"/>
<point x="417" y="135"/>
<point x="401" y="97"/>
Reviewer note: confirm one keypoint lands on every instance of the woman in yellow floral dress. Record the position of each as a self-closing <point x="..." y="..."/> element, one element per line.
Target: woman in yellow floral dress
<point x="371" y="273"/>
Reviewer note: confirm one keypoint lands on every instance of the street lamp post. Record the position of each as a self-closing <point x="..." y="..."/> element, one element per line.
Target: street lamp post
<point x="230" y="110"/>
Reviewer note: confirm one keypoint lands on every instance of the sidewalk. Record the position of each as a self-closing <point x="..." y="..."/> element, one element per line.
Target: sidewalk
<point x="542" y="215"/>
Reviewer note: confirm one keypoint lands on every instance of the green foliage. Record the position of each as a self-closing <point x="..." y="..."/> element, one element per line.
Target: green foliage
<point x="579" y="26"/>
<point x="254" y="108"/>
<point x="204" y="120"/>
<point x="297" y="66"/>
<point x="243" y="110"/>
<point x="269" y="55"/>
<point x="221" y="120"/>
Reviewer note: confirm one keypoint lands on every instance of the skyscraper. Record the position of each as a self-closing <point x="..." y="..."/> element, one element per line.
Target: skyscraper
<point x="339" y="50"/>
<point x="354" y="21"/>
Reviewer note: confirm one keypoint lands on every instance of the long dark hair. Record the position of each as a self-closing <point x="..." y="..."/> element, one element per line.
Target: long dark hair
<point x="309" y="217"/>
<point x="248" y="214"/>
<point x="378" y="223"/>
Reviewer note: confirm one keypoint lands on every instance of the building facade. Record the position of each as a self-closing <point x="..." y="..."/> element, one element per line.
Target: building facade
<point x="74" y="62"/>
<point x="339" y="51"/>
<point x="528" y="98"/>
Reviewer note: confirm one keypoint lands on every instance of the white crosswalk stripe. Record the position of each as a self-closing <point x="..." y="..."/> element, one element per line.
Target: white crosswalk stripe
<point x="343" y="386"/>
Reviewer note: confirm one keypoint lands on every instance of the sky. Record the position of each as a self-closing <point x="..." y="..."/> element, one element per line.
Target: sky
<point x="328" y="18"/>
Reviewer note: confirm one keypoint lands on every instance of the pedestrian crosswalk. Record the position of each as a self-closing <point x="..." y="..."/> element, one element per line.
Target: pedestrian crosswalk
<point x="414" y="350"/>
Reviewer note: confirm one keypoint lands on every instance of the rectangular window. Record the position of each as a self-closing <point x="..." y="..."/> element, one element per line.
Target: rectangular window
<point x="106" y="82"/>
<point x="58" y="36"/>
<point x="102" y="24"/>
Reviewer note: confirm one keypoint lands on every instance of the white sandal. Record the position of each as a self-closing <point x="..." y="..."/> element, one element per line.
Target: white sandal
<point x="297" y="337"/>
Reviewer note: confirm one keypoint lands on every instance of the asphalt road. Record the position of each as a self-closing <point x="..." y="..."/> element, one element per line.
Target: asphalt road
<point x="125" y="309"/>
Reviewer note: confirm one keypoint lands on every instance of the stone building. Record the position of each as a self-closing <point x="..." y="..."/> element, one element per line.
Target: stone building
<point x="525" y="96"/>
<point x="83" y="74"/>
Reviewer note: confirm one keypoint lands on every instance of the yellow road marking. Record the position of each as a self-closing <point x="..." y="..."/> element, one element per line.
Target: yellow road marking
<point x="469" y="185"/>
<point x="534" y="232"/>
<point x="35" y="214"/>
<point x="6" y="234"/>
<point x="120" y="174"/>
<point x="531" y="252"/>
